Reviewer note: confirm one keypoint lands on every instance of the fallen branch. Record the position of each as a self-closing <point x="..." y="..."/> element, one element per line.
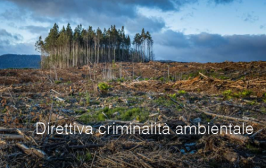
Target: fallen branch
<point x="232" y="118"/>
<point x="145" y="157"/>
<point x="26" y="137"/>
<point x="59" y="99"/>
<point x="238" y="137"/>
<point x="253" y="135"/>
<point x="11" y="137"/>
<point x="86" y="146"/>
<point x="55" y="91"/>
<point x="31" y="151"/>
<point x="122" y="122"/>
<point x="204" y="76"/>
<point x="2" y="129"/>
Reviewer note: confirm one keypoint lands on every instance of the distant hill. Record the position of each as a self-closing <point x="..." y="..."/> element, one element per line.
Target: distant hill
<point x="19" y="61"/>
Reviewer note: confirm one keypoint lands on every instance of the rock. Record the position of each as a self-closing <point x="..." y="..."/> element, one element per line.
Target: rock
<point x="197" y="120"/>
<point x="231" y="156"/>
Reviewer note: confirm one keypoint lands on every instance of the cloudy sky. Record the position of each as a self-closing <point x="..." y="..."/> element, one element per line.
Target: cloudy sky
<point x="183" y="30"/>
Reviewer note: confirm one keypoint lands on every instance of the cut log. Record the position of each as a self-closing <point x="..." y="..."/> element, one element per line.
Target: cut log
<point x="9" y="130"/>
<point x="9" y="137"/>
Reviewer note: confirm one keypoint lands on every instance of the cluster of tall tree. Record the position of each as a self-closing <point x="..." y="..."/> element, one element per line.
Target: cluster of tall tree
<point x="67" y="48"/>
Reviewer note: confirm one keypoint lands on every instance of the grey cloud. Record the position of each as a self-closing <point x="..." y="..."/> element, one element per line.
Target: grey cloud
<point x="171" y="39"/>
<point x="151" y="24"/>
<point x="50" y="10"/>
<point x="14" y="14"/>
<point x="207" y="40"/>
<point x="3" y="32"/>
<point x="4" y="43"/>
<point x="206" y="47"/>
<point x="36" y="29"/>
<point x="100" y="13"/>
<point x="4" y="35"/>
<point x="6" y="40"/>
<point x="84" y="7"/>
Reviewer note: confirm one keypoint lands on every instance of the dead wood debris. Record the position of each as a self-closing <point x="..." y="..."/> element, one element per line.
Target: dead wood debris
<point x="192" y="96"/>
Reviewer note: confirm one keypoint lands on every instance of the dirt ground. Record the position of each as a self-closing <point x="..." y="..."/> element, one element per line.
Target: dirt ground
<point x="140" y="93"/>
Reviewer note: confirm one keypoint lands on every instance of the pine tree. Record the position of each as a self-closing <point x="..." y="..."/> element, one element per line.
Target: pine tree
<point x="67" y="48"/>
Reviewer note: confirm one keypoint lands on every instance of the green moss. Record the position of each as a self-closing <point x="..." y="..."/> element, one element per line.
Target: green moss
<point x="228" y="94"/>
<point x="101" y="117"/>
<point x="88" y="156"/>
<point x="223" y="77"/>
<point x="103" y="86"/>
<point x="182" y="92"/>
<point x="173" y="96"/>
<point x="164" y="101"/>
<point x="254" y="102"/>
<point x="135" y="113"/>
<point x="161" y="79"/>
<point x="245" y="93"/>
<point x="57" y="82"/>
<point x="124" y="114"/>
<point x="4" y="110"/>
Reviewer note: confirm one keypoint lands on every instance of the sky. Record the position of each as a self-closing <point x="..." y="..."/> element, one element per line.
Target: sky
<point x="182" y="30"/>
